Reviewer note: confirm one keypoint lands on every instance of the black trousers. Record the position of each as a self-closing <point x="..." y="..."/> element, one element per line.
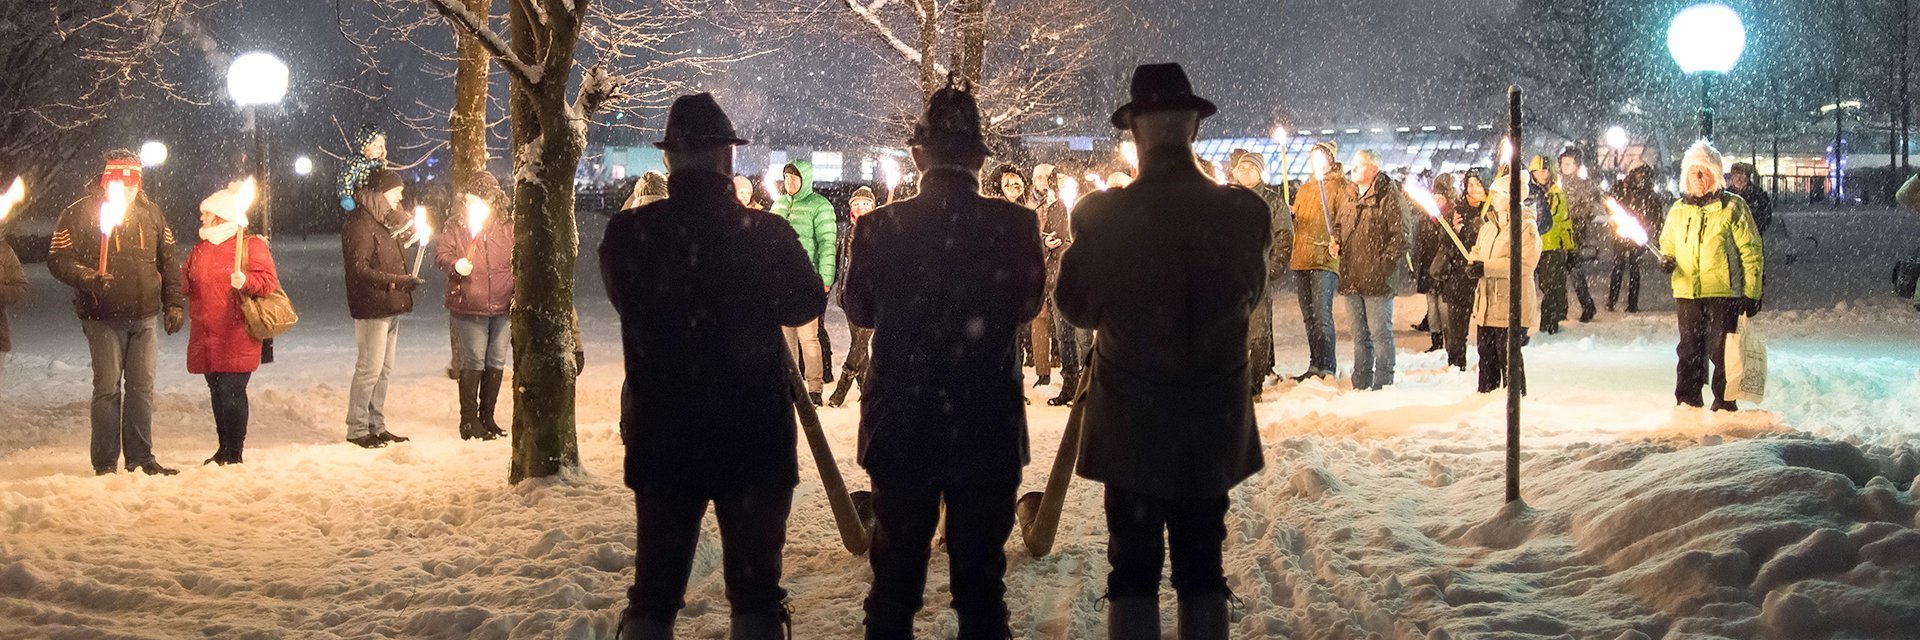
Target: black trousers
<point x="979" y="519"/>
<point x="753" y="532"/>
<point x="230" y="409"/>
<point x="1459" y="314"/>
<point x="1194" y="527"/>
<point x="855" y="366"/>
<point x="1626" y="265"/>
<point x="1493" y="360"/>
<point x="1704" y="325"/>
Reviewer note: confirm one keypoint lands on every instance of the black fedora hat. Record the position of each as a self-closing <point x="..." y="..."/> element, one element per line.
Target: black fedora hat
<point x="1161" y="87"/>
<point x="951" y="121"/>
<point x="697" y="121"/>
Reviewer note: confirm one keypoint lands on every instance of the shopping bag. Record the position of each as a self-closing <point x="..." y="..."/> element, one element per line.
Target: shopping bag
<point x="1746" y="363"/>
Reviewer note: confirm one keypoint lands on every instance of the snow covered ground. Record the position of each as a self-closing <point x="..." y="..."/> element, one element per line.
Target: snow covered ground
<point x="1380" y="514"/>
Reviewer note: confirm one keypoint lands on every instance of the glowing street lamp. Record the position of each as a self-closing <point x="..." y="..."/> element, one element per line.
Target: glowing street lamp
<point x="254" y="80"/>
<point x="303" y="166"/>
<point x="1706" y="40"/>
<point x="1617" y="138"/>
<point x="153" y="153"/>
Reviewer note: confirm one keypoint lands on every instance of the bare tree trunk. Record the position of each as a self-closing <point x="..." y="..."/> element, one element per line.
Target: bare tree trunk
<point x="930" y="80"/>
<point x="546" y="147"/>
<point x="971" y="55"/>
<point x="467" y="137"/>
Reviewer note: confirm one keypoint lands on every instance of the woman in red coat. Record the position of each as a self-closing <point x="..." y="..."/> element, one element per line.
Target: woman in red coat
<point x="218" y="345"/>
<point x="477" y="255"/>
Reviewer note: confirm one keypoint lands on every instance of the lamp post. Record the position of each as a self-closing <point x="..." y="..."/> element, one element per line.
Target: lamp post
<point x="1616" y="139"/>
<point x="1706" y="40"/>
<point x="255" y="80"/>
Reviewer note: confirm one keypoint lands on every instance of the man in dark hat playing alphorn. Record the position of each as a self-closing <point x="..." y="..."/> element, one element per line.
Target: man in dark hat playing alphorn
<point x="703" y="286"/>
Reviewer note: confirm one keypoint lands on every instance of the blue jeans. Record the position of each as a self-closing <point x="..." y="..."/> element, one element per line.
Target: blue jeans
<point x="124" y="353"/>
<point x="484" y="342"/>
<point x="378" y="341"/>
<point x="1370" y="319"/>
<point x="1316" y="306"/>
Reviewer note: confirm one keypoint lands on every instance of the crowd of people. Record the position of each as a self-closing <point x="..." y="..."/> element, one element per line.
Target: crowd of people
<point x="1152" y="295"/>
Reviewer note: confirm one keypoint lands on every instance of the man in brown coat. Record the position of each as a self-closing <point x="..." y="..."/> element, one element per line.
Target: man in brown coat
<point x="945" y="280"/>
<point x="1373" y="268"/>
<point x="379" y="290"/>
<point x="1167" y="273"/>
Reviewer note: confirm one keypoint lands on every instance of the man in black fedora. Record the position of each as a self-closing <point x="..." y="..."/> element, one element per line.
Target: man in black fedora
<point x="703" y="286"/>
<point x="944" y="280"/>
<point x="1167" y="272"/>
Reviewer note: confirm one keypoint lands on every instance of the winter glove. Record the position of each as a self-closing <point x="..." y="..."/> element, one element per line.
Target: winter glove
<point x="97" y="284"/>
<point x="579" y="362"/>
<point x="464" y="267"/>
<point x="238" y="280"/>
<point x="1751" y="306"/>
<point x="1668" y="264"/>
<point x="409" y="283"/>
<point x="349" y="204"/>
<point x="175" y="319"/>
<point x="1476" y="270"/>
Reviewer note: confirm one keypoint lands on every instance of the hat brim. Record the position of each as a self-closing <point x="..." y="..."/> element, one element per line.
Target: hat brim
<point x="698" y="142"/>
<point x="1123" y="116"/>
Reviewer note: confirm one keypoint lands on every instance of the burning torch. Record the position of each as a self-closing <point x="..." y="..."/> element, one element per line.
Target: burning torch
<point x="890" y="169"/>
<point x="772" y="181"/>
<point x="1131" y="152"/>
<point x="1069" y="192"/>
<point x="13" y="196"/>
<point x="1280" y="138"/>
<point x="422" y="233"/>
<point x="113" y="212"/>
<point x="1421" y="196"/>
<point x="478" y="211"/>
<point x="1094" y="180"/>
<point x="245" y="190"/>
<point x="1626" y="225"/>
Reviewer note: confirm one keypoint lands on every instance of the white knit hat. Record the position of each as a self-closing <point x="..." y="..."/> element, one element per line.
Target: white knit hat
<point x="1703" y="154"/>
<point x="226" y="204"/>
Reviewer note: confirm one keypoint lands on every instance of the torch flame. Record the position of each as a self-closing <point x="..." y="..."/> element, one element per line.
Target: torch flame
<point x="1219" y="175"/>
<point x="890" y="169"/>
<point x="421" y="229"/>
<point x="113" y="208"/>
<point x="1280" y="134"/>
<point x="772" y="180"/>
<point x="14" y="195"/>
<point x="1131" y="152"/>
<point x="1506" y="151"/>
<point x="247" y="190"/>
<point x="1424" y="198"/>
<point x="1625" y="224"/>
<point x="477" y="213"/>
<point x="1069" y="192"/>
<point x="1583" y="172"/>
<point x="1098" y="183"/>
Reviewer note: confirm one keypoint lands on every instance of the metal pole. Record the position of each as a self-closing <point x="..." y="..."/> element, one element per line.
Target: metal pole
<point x="1906" y="108"/>
<point x="1839" y="144"/>
<point x="1706" y="106"/>
<point x="1773" y="89"/>
<point x="1514" y="326"/>
<point x="263" y="136"/>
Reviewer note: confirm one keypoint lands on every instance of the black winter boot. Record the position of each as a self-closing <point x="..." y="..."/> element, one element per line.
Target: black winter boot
<point x="1069" y="383"/>
<point x="840" y="389"/>
<point x="1133" y="618"/>
<point x="1203" y="617"/>
<point x="490" y="399"/>
<point x="470" y="425"/>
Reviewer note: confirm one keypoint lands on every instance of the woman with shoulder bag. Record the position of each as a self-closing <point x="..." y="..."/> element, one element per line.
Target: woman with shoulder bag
<point x="218" y="275"/>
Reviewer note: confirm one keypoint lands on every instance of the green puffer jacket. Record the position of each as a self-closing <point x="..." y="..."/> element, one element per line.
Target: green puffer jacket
<point x="1559" y="235"/>
<point x="812" y="217"/>
<point x="1717" y="247"/>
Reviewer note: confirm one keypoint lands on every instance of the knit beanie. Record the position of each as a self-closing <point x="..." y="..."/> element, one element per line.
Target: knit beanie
<point x="862" y="193"/>
<point x="1242" y="155"/>
<point x="384" y="180"/>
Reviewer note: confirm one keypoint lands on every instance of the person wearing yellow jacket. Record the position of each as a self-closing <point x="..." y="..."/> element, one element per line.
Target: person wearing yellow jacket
<point x="1558" y="249"/>
<point x="1711" y="248"/>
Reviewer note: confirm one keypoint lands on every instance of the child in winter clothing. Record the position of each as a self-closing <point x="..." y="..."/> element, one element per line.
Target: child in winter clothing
<point x="370" y="155"/>
<point x="218" y="345"/>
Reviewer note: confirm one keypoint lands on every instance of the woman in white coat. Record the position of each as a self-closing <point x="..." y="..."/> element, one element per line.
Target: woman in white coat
<point x="1490" y="263"/>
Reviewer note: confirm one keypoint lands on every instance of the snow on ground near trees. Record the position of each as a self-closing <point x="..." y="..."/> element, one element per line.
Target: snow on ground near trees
<point x="1379" y="514"/>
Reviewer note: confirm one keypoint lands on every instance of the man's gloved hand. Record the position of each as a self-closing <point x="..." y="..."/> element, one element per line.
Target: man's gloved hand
<point x="1750" y="306"/>
<point x="175" y="319"/>
<point x="1668" y="264"/>
<point x="1476" y="270"/>
<point x="410" y="283"/>
<point x="97" y="284"/>
<point x="349" y="204"/>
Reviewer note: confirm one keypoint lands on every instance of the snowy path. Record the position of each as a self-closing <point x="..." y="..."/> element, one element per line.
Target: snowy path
<point x="1379" y="513"/>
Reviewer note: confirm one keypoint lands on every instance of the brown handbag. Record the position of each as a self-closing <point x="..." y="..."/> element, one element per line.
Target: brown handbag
<point x="269" y="315"/>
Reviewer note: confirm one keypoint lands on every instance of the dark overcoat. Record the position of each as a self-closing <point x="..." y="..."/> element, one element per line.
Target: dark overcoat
<point x="703" y="286"/>
<point x="945" y="280"/>
<point x="1167" y="271"/>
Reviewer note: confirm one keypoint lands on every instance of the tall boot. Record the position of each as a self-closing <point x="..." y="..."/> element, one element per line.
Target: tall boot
<point x="489" y="399"/>
<point x="470" y="425"/>
<point x="1203" y="617"/>
<point x="1069" y="383"/>
<point x="761" y="626"/>
<point x="646" y="629"/>
<point x="1133" y="618"/>
<point x="840" y="389"/>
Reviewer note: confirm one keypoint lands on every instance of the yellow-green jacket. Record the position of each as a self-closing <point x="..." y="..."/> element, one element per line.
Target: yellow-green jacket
<point x="1716" y="246"/>
<point x="1556" y="231"/>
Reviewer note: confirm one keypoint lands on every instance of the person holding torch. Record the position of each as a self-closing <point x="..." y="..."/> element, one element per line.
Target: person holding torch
<point x="13" y="279"/>
<point x="379" y="291"/>
<point x="115" y="249"/>
<point x="476" y="252"/>
<point x="217" y="274"/>
<point x="1317" y="208"/>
